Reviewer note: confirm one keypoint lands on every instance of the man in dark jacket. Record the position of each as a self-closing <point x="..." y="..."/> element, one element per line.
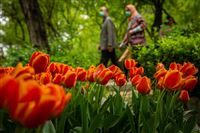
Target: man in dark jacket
<point x="107" y="39"/>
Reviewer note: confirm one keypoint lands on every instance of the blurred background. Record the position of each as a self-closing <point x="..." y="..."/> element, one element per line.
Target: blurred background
<point x="69" y="30"/>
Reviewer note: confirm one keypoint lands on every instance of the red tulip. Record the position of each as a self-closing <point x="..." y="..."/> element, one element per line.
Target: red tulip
<point x="140" y="71"/>
<point x="81" y="74"/>
<point x="90" y="73"/>
<point x="115" y="70"/>
<point x="57" y="78"/>
<point x="120" y="80"/>
<point x="104" y="76"/>
<point x="160" y="66"/>
<point x="129" y="63"/>
<point x="184" y="96"/>
<point x="132" y="72"/>
<point x="160" y="73"/>
<point x="44" y="78"/>
<point x="172" y="80"/>
<point x="189" y="83"/>
<point x="70" y="79"/>
<point x="98" y="70"/>
<point x="39" y="61"/>
<point x="144" y="85"/>
<point x="136" y="79"/>
<point x="188" y="69"/>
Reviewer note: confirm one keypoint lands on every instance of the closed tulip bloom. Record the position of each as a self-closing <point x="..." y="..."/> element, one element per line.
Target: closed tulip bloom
<point x="115" y="70"/>
<point x="90" y="73"/>
<point x="81" y="74"/>
<point x="70" y="79"/>
<point x="104" y="76"/>
<point x="57" y="78"/>
<point x="9" y="92"/>
<point x="140" y="71"/>
<point x="172" y="80"/>
<point x="44" y="78"/>
<point x="184" y="96"/>
<point x="98" y="70"/>
<point x="129" y="63"/>
<point x="39" y="61"/>
<point x="136" y="79"/>
<point x="132" y="72"/>
<point x="120" y="80"/>
<point x="190" y="82"/>
<point x="144" y="85"/>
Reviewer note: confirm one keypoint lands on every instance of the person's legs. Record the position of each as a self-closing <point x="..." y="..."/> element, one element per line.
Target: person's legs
<point x="104" y="57"/>
<point x="114" y="58"/>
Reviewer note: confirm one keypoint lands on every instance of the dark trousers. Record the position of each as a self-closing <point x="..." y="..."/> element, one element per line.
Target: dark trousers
<point x="106" y="55"/>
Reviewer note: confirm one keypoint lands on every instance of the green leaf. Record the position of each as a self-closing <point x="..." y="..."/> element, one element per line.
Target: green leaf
<point x="48" y="127"/>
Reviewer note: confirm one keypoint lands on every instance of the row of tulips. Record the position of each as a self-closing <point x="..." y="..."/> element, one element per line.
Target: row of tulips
<point x="35" y="93"/>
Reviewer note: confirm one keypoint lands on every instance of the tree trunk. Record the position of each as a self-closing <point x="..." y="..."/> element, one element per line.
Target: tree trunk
<point x="35" y="23"/>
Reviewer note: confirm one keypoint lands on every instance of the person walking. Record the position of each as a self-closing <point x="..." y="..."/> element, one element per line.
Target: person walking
<point x="134" y="37"/>
<point x="107" y="39"/>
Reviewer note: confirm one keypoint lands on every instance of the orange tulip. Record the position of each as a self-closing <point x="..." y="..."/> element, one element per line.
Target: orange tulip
<point x="184" y="96"/>
<point x="144" y="85"/>
<point x="44" y="78"/>
<point x="120" y="80"/>
<point x="189" y="83"/>
<point x="160" y="66"/>
<point x="160" y="73"/>
<point x="104" y="76"/>
<point x="57" y="78"/>
<point x="115" y="70"/>
<point x="132" y="72"/>
<point x="81" y="74"/>
<point x="69" y="79"/>
<point x="172" y="80"/>
<point x="6" y="70"/>
<point x="98" y="70"/>
<point x="9" y="87"/>
<point x="129" y="63"/>
<point x="90" y="73"/>
<point x="160" y="83"/>
<point x="136" y="79"/>
<point x="140" y="71"/>
<point x="39" y="61"/>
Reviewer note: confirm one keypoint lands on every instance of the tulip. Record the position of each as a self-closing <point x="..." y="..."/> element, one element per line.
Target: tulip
<point x="57" y="78"/>
<point x="115" y="70"/>
<point x="160" y="73"/>
<point x="6" y="70"/>
<point x="160" y="66"/>
<point x="132" y="72"/>
<point x="81" y="74"/>
<point x="120" y="80"/>
<point x="44" y="78"/>
<point x="172" y="80"/>
<point x="98" y="70"/>
<point x="188" y="69"/>
<point x="184" y="96"/>
<point x="144" y="85"/>
<point x="189" y="83"/>
<point x="39" y="61"/>
<point x="104" y="76"/>
<point x="140" y="71"/>
<point x="9" y="93"/>
<point x="136" y="79"/>
<point x="160" y="83"/>
<point x="129" y="63"/>
<point x="70" y="79"/>
<point x="90" y="73"/>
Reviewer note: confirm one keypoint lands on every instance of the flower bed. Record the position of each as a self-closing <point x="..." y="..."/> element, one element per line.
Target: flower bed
<point x="45" y="96"/>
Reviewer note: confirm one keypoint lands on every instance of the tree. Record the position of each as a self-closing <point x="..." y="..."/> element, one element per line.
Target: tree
<point x="35" y="23"/>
